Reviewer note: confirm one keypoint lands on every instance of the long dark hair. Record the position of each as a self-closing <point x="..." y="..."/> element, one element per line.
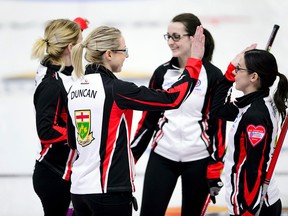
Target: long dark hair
<point x="265" y="65"/>
<point x="190" y="21"/>
<point x="209" y="45"/>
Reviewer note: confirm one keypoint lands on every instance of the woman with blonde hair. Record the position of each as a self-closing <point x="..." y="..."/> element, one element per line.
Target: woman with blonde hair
<point x="101" y="108"/>
<point x="51" y="176"/>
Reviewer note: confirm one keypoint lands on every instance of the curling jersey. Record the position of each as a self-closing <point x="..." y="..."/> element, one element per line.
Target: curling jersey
<point x="50" y="100"/>
<point x="251" y="142"/>
<point x="187" y="133"/>
<point x="101" y="108"/>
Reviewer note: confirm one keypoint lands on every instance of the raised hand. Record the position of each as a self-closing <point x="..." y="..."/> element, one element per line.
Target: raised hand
<point x="236" y="59"/>
<point x="198" y="43"/>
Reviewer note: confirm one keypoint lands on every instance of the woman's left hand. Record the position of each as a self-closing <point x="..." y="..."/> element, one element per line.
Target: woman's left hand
<point x="198" y="43"/>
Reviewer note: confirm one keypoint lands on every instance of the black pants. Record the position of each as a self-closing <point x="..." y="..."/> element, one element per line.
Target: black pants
<point x="111" y="204"/>
<point x="53" y="191"/>
<point x="160" y="180"/>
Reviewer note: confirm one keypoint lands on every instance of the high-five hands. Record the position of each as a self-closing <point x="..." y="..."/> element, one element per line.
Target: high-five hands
<point x="198" y="43"/>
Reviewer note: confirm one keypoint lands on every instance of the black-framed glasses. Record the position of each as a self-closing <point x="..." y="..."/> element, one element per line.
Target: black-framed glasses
<point x="239" y="69"/>
<point x="121" y="50"/>
<point x="175" y="37"/>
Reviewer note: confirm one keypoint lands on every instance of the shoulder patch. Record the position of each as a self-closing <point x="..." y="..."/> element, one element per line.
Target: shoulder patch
<point x="255" y="133"/>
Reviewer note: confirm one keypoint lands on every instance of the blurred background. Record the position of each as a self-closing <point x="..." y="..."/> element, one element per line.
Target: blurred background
<point x="233" y="24"/>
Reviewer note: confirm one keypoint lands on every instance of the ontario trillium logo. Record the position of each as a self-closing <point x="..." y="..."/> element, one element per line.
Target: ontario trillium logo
<point x="83" y="124"/>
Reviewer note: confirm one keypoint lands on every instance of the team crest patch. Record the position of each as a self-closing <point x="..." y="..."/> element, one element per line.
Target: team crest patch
<point x="255" y="133"/>
<point x="83" y="124"/>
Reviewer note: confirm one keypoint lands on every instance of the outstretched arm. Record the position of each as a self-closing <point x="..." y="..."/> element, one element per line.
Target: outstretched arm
<point x="129" y="96"/>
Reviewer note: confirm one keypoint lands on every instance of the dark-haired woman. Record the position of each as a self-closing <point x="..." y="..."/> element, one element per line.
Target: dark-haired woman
<point x="253" y="135"/>
<point x="187" y="142"/>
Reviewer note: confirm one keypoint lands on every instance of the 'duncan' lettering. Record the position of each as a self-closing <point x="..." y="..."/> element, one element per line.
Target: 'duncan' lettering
<point x="83" y="93"/>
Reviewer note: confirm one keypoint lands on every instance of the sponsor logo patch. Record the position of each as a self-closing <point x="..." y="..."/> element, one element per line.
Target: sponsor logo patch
<point x="255" y="133"/>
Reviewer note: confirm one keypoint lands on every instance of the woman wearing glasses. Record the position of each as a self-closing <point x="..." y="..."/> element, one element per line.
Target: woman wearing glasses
<point x="253" y="135"/>
<point x="101" y="108"/>
<point x="187" y="142"/>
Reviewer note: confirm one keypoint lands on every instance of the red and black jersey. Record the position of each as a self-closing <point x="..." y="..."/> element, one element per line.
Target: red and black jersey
<point x="250" y="146"/>
<point x="101" y="108"/>
<point x="188" y="133"/>
<point x="50" y="101"/>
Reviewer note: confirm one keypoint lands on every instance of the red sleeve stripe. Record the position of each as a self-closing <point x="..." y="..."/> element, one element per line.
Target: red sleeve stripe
<point x="140" y="124"/>
<point x="68" y="170"/>
<point x="61" y="130"/>
<point x="204" y="134"/>
<point x="229" y="75"/>
<point x="241" y="159"/>
<point x="44" y="151"/>
<point x="193" y="66"/>
<point x="221" y="140"/>
<point x="181" y="89"/>
<point x="214" y="170"/>
<point x="58" y="139"/>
